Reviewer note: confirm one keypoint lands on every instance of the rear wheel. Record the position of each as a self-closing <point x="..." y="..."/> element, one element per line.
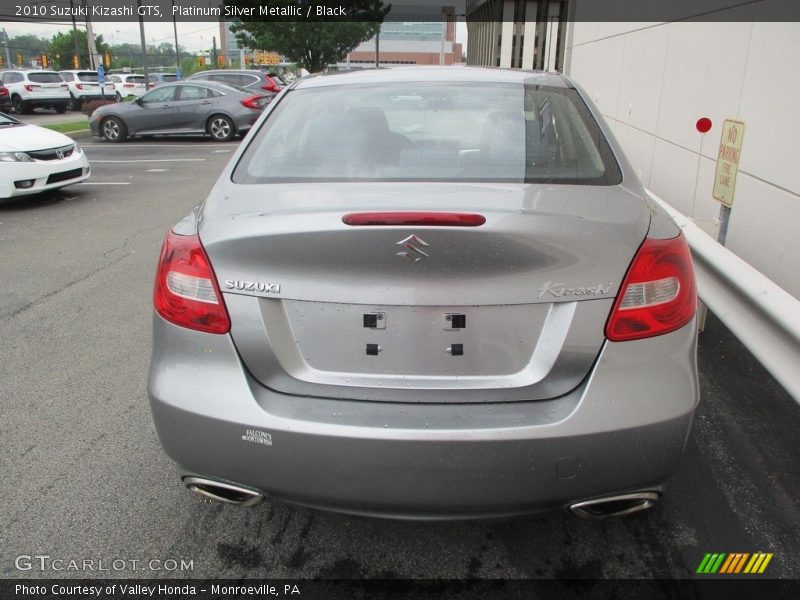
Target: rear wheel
<point x="61" y="108"/>
<point x="114" y="129"/>
<point x="19" y="106"/>
<point x="221" y="128"/>
<point x="74" y="103"/>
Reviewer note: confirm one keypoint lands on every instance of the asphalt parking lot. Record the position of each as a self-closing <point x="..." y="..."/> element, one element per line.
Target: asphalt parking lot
<point x="84" y="476"/>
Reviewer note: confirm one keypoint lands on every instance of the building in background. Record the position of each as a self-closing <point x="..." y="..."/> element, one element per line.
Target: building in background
<point x="410" y="43"/>
<point x="523" y="34"/>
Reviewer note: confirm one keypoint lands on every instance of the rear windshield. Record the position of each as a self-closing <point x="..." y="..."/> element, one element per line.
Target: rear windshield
<point x="135" y="79"/>
<point x="156" y="78"/>
<point x="45" y="78"/>
<point x="88" y="76"/>
<point x="430" y="132"/>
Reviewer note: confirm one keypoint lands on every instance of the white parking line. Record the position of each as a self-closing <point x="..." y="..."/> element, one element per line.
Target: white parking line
<point x="220" y="151"/>
<point x="128" y="147"/>
<point x="150" y="160"/>
<point x="156" y="170"/>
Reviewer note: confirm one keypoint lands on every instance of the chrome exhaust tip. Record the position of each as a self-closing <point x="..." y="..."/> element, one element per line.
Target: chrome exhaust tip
<point x="615" y="506"/>
<point x="223" y="492"/>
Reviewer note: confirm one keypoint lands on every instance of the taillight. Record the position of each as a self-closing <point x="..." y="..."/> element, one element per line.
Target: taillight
<point x="251" y="102"/>
<point x="29" y="88"/>
<point x="658" y="294"/>
<point x="186" y="291"/>
<point x="79" y="86"/>
<point x="128" y="85"/>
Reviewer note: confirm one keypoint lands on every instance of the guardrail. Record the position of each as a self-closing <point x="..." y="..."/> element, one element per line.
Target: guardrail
<point x="761" y="314"/>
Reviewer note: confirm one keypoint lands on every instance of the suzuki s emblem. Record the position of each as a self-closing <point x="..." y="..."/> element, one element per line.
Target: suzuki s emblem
<point x="414" y="248"/>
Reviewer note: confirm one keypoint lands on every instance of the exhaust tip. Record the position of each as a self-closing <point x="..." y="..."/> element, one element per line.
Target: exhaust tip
<point x="615" y="506"/>
<point x="223" y="492"/>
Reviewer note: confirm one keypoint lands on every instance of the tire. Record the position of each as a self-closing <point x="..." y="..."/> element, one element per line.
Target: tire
<point x="117" y="97"/>
<point x="221" y="128"/>
<point x="19" y="106"/>
<point x="113" y="130"/>
<point x="61" y="108"/>
<point x="74" y="103"/>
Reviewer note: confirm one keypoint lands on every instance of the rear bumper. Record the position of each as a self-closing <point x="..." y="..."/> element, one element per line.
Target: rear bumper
<point x="46" y="101"/>
<point x="624" y="428"/>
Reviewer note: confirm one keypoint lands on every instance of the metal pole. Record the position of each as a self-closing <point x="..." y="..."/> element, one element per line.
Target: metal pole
<point x="177" y="52"/>
<point x="4" y="37"/>
<point x="377" y="40"/>
<point x="76" y="63"/>
<point x="144" y="47"/>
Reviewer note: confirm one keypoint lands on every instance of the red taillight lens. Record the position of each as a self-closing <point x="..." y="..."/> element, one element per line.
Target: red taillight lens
<point x="29" y="88"/>
<point x="434" y="219"/>
<point x="186" y="291"/>
<point x="129" y="85"/>
<point x="251" y="102"/>
<point x="79" y="86"/>
<point x="658" y="294"/>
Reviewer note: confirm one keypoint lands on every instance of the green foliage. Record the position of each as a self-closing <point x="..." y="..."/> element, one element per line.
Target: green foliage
<point x="62" y="48"/>
<point x="27" y="46"/>
<point x="313" y="45"/>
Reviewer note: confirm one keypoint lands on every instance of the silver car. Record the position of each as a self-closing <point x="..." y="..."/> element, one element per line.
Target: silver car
<point x="199" y="107"/>
<point x="427" y="293"/>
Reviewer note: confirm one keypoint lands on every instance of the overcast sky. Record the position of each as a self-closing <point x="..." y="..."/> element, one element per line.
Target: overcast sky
<point x="192" y="36"/>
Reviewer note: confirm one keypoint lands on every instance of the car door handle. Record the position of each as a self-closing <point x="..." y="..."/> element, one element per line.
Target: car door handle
<point x="206" y="102"/>
<point x="167" y="106"/>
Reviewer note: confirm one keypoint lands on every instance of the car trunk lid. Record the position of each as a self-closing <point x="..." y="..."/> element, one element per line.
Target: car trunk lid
<point x="513" y="309"/>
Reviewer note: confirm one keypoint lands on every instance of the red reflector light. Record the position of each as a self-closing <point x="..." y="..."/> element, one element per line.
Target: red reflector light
<point x="658" y="294"/>
<point x="251" y="102"/>
<point x="433" y="219"/>
<point x="128" y="85"/>
<point x="186" y="291"/>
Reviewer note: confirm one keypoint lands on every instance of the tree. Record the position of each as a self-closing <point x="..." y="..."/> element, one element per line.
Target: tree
<point x="62" y="48"/>
<point x="26" y="47"/>
<point x="312" y="44"/>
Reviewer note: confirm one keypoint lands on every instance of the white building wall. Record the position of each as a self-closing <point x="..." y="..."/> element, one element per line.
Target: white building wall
<point x="652" y="81"/>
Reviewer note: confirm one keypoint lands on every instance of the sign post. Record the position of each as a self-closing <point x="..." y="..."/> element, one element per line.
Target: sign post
<point x="101" y="79"/>
<point x="730" y="150"/>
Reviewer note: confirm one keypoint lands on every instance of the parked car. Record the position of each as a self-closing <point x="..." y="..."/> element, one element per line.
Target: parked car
<point x="461" y="306"/>
<point x="34" y="159"/>
<point x="271" y="83"/>
<point x="199" y="107"/>
<point x="31" y="89"/>
<point x="85" y="86"/>
<point x="127" y="85"/>
<point x="5" y="99"/>
<point x="159" y="78"/>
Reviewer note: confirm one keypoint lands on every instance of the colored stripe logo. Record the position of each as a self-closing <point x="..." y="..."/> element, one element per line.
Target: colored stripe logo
<point x="734" y="563"/>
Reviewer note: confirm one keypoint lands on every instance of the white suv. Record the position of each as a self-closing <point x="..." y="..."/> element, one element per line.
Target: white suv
<point x="84" y="86"/>
<point x="127" y="84"/>
<point x="36" y="89"/>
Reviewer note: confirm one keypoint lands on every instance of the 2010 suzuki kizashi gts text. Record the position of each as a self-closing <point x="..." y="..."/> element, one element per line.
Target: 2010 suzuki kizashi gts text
<point x="427" y="293"/>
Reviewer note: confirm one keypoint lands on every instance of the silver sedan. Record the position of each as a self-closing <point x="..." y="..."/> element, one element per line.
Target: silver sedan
<point x="427" y="293"/>
<point x="200" y="107"/>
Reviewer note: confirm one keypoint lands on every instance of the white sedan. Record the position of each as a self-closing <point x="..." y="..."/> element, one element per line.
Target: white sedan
<point x="34" y="159"/>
